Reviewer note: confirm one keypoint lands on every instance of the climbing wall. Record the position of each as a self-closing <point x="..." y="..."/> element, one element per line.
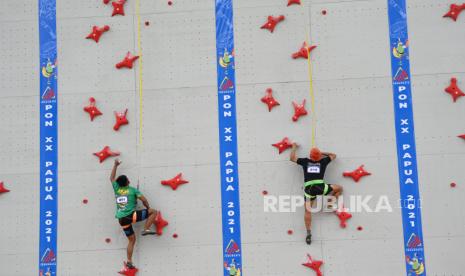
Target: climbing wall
<point x="173" y="128"/>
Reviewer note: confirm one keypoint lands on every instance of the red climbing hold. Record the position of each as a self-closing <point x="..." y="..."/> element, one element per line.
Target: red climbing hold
<point x="160" y="223"/>
<point x="85" y="201"/>
<point x="269" y="100"/>
<point x="343" y="217"/>
<point x="291" y="2"/>
<point x="283" y="145"/>
<point x="175" y="236"/>
<point x="454" y="11"/>
<point x="127" y="61"/>
<point x="118" y="7"/>
<point x="120" y="119"/>
<point x="105" y="153"/>
<point x="314" y="265"/>
<point x="360" y="228"/>
<point x="462" y="136"/>
<point x="107" y="240"/>
<point x="264" y="192"/>
<point x="170" y="3"/>
<point x="454" y="90"/>
<point x="453" y="185"/>
<point x="3" y="189"/>
<point x="174" y="182"/>
<point x="272" y="22"/>
<point x="304" y="51"/>
<point x="290" y="232"/>
<point x="128" y="271"/>
<point x="299" y="110"/>
<point x="92" y="109"/>
<point x="357" y="173"/>
<point x="106" y="1"/>
<point x="97" y="32"/>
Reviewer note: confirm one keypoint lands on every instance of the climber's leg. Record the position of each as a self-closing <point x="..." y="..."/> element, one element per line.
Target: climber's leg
<point x="130" y="250"/>
<point x="151" y="219"/>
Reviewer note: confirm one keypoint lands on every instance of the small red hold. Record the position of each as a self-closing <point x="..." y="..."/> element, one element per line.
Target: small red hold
<point x="314" y="265"/>
<point x="357" y="173"/>
<point x="360" y="228"/>
<point x="85" y="201"/>
<point x="128" y="271"/>
<point x="105" y="153"/>
<point x="343" y="217"/>
<point x="283" y="145"/>
<point x="97" y="32"/>
<point x="160" y="223"/>
<point x="106" y="2"/>
<point x="127" y="62"/>
<point x="175" y="236"/>
<point x="264" y="192"/>
<point x="269" y="100"/>
<point x="324" y="12"/>
<point x="453" y="185"/>
<point x="304" y="51"/>
<point x="454" y="90"/>
<point x="107" y="240"/>
<point x="118" y="7"/>
<point x="299" y="110"/>
<point x="121" y="119"/>
<point x="272" y="22"/>
<point x="454" y="11"/>
<point x="462" y="136"/>
<point x="290" y="232"/>
<point x="174" y="182"/>
<point x="170" y="3"/>
<point x="92" y="109"/>
<point x="147" y="23"/>
<point x="2" y="188"/>
<point x="291" y="2"/>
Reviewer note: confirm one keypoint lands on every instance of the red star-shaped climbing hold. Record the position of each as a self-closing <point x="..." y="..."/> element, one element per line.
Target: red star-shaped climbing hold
<point x="118" y="7"/>
<point x="160" y="223"/>
<point x="299" y="110"/>
<point x="454" y="11"/>
<point x="304" y="51"/>
<point x="283" y="145"/>
<point x="120" y="119"/>
<point x="127" y="61"/>
<point x="97" y="32"/>
<point x="462" y="136"/>
<point x="105" y="153"/>
<point x="454" y="90"/>
<point x="272" y="22"/>
<point x="292" y="2"/>
<point x="174" y="182"/>
<point x="128" y="271"/>
<point x="92" y="109"/>
<point x="3" y="189"/>
<point x="357" y="173"/>
<point x="269" y="100"/>
<point x="314" y="265"/>
<point x="343" y="216"/>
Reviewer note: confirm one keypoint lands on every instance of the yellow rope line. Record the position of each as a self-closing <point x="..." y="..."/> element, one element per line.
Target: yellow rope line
<point x="140" y="70"/>
<point x="312" y="94"/>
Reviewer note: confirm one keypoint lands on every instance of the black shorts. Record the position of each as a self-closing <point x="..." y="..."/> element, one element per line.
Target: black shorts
<point x="312" y="191"/>
<point x="126" y="222"/>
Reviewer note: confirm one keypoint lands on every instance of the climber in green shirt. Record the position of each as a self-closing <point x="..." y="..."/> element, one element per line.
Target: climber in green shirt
<point x="126" y="213"/>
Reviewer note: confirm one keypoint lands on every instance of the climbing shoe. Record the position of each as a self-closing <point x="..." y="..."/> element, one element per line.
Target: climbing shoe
<point x="308" y="240"/>
<point x="148" y="232"/>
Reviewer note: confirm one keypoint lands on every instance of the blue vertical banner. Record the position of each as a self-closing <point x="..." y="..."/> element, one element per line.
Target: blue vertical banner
<point x="232" y="254"/>
<point x="405" y="136"/>
<point x="48" y="139"/>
